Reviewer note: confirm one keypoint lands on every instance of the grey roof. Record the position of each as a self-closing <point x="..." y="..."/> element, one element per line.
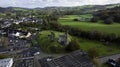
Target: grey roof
<point x="74" y="59"/>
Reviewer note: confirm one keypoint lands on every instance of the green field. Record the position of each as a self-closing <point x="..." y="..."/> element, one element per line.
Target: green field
<point x="89" y="26"/>
<point x="54" y="47"/>
<point x="2" y="14"/>
<point x="101" y="48"/>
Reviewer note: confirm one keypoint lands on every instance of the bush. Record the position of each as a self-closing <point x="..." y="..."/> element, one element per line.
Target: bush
<point x="119" y="60"/>
<point x="75" y="19"/>
<point x="2" y="56"/>
<point x="56" y="49"/>
<point x="93" y="53"/>
<point x="108" y="21"/>
<point x="73" y="45"/>
<point x="94" y="19"/>
<point x="96" y="62"/>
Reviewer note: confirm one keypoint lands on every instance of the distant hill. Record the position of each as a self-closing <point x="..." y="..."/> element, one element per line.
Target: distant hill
<point x="12" y="9"/>
<point x="66" y="10"/>
<point x="80" y="9"/>
<point x="109" y="13"/>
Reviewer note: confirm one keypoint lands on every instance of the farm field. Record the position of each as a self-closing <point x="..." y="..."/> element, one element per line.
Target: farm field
<point x="89" y="26"/>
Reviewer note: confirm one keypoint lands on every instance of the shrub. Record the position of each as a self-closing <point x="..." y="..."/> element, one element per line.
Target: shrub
<point x="94" y="19"/>
<point x="75" y="19"/>
<point x="73" y="45"/>
<point x="2" y="56"/>
<point x="93" y="53"/>
<point x="96" y="62"/>
<point x="108" y="21"/>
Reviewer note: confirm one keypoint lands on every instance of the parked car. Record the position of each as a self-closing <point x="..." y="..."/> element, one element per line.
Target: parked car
<point x="113" y="63"/>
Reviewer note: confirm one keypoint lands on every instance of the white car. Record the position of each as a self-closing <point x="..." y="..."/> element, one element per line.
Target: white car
<point x="37" y="53"/>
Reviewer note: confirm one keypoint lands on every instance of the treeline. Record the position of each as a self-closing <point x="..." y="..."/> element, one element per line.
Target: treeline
<point x="92" y="35"/>
<point x="108" y="15"/>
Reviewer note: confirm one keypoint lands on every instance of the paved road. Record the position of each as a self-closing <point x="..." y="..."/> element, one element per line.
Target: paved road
<point x="104" y="59"/>
<point x="13" y="52"/>
<point x="24" y="58"/>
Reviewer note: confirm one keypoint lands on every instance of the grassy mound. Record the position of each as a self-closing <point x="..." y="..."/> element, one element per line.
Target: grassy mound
<point x="51" y="46"/>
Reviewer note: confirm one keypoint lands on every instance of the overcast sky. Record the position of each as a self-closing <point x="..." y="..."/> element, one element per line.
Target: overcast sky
<point x="46" y="3"/>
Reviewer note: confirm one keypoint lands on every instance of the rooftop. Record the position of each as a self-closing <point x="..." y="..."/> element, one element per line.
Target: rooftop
<point x="74" y="59"/>
<point x="6" y="62"/>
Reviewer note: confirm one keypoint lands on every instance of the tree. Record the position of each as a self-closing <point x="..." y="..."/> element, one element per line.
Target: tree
<point x="118" y="60"/>
<point x="108" y="21"/>
<point x="75" y="19"/>
<point x="95" y="19"/>
<point x="55" y="49"/>
<point x="8" y="15"/>
<point x="93" y="53"/>
<point x="73" y="45"/>
<point x="96" y="62"/>
<point x="2" y="56"/>
<point x="4" y="42"/>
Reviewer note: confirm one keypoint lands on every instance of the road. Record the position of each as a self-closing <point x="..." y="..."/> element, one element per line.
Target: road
<point x="24" y="58"/>
<point x="104" y="59"/>
<point x="13" y="52"/>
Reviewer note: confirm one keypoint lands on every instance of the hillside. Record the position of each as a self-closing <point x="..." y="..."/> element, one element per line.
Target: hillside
<point x="112" y="13"/>
<point x="66" y="10"/>
<point x="49" y="46"/>
<point x="79" y="9"/>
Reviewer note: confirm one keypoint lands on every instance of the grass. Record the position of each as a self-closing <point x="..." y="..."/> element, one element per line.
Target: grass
<point x="89" y="26"/>
<point x="104" y="65"/>
<point x="54" y="47"/>
<point x="2" y="14"/>
<point x="51" y="46"/>
<point x="101" y="48"/>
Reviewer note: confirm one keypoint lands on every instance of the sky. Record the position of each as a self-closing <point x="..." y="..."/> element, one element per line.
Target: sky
<point x="47" y="3"/>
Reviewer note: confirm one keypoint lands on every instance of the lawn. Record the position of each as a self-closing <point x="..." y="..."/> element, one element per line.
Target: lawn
<point x="89" y="26"/>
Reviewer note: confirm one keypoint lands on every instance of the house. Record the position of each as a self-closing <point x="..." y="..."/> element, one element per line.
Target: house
<point x="17" y="21"/>
<point x="84" y="19"/>
<point x="19" y="34"/>
<point x="41" y="21"/>
<point x="75" y="59"/>
<point x="2" y="32"/>
<point x="8" y="62"/>
<point x="63" y="39"/>
<point x="6" y="24"/>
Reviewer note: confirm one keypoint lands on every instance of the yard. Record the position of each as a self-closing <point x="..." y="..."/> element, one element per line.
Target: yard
<point x="89" y="26"/>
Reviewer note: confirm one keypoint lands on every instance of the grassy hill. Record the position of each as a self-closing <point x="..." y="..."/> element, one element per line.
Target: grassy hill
<point x="50" y="46"/>
<point x="89" y="26"/>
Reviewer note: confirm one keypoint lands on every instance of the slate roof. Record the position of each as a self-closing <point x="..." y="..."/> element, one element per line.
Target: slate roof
<point x="74" y="59"/>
